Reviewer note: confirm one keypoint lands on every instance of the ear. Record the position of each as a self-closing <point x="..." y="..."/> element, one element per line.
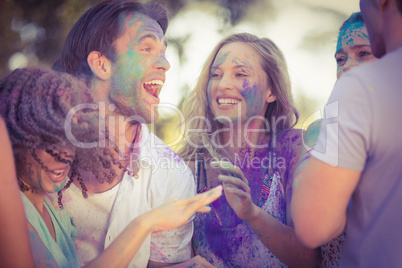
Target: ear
<point x="382" y="4"/>
<point x="271" y="97"/>
<point x="99" y="64"/>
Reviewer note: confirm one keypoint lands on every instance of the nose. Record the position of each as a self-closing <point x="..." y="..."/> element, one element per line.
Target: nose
<point x="350" y="63"/>
<point x="162" y="63"/>
<point x="225" y="83"/>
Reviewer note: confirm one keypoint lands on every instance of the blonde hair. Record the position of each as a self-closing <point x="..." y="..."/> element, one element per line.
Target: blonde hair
<point x="197" y="105"/>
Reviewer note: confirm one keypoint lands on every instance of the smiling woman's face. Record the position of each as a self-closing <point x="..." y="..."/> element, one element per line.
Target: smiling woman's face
<point x="52" y="177"/>
<point x="353" y="47"/>
<point x="238" y="87"/>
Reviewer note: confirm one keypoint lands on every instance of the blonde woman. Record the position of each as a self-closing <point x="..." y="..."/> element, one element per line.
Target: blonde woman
<point x="239" y="122"/>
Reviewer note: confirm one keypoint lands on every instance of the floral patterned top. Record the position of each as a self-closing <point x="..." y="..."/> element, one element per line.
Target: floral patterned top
<point x="227" y="241"/>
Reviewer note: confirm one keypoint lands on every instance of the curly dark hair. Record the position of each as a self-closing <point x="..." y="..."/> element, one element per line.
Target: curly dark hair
<point x="34" y="104"/>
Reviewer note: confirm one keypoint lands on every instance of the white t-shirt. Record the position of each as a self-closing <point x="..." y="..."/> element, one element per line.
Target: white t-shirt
<point x="92" y="215"/>
<point x="163" y="175"/>
<point x="362" y="131"/>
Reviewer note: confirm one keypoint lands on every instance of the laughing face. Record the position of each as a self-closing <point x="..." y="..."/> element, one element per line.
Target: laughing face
<point x="238" y="87"/>
<point x="52" y="177"/>
<point x="139" y="71"/>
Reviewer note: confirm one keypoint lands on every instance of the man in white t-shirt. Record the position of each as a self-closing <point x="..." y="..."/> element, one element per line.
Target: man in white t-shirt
<point x="118" y="46"/>
<point x="354" y="178"/>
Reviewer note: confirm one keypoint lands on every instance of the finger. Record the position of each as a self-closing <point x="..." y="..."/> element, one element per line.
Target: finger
<point x="208" y="196"/>
<point x="204" y="199"/>
<point x="194" y="199"/>
<point x="223" y="166"/>
<point x="205" y="264"/>
<point x="230" y="168"/>
<point x="202" y="262"/>
<point x="235" y="182"/>
<point x="212" y="194"/>
<point x="204" y="209"/>
<point x="238" y="192"/>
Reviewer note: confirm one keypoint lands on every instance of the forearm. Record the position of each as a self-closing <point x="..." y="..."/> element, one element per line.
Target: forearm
<point x="319" y="202"/>
<point x="281" y="240"/>
<point x="123" y="249"/>
<point x="171" y="215"/>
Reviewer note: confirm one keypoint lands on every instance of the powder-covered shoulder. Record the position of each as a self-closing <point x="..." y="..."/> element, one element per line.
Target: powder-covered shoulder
<point x="291" y="138"/>
<point x="289" y="145"/>
<point x="62" y="215"/>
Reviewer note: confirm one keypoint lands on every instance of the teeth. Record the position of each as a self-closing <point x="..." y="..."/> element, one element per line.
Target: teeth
<point x="58" y="173"/>
<point x="154" y="82"/>
<point x="227" y="101"/>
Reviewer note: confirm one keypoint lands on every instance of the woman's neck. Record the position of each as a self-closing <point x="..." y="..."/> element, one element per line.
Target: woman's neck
<point x="245" y="137"/>
<point x="121" y="134"/>
<point x="37" y="199"/>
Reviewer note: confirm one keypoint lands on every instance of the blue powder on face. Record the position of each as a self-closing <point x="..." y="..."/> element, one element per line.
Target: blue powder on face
<point x="253" y="98"/>
<point x="58" y="188"/>
<point x="218" y="61"/>
<point x="238" y="61"/>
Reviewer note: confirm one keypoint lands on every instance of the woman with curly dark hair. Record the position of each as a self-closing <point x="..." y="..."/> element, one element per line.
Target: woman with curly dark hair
<point x="34" y="104"/>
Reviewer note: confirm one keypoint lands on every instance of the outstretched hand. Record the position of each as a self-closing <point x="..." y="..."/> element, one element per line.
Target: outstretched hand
<point x="236" y="189"/>
<point x="178" y="211"/>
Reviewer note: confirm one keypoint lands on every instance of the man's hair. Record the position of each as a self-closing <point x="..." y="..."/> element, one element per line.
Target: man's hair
<point x="99" y="27"/>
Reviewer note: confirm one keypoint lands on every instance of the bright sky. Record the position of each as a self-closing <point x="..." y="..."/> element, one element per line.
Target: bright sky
<point x="312" y="69"/>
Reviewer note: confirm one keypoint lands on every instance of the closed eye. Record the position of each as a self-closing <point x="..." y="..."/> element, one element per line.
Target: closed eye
<point x="241" y="75"/>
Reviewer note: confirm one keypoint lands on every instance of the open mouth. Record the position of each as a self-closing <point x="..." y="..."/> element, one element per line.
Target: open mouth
<point x="58" y="175"/>
<point x="227" y="101"/>
<point x="153" y="87"/>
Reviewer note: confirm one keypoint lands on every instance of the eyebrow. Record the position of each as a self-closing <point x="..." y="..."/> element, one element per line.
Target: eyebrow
<point x="153" y="37"/>
<point x="243" y="63"/>
<point x="240" y="66"/>
<point x="352" y="47"/>
<point x="236" y="66"/>
<point x="244" y="66"/>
